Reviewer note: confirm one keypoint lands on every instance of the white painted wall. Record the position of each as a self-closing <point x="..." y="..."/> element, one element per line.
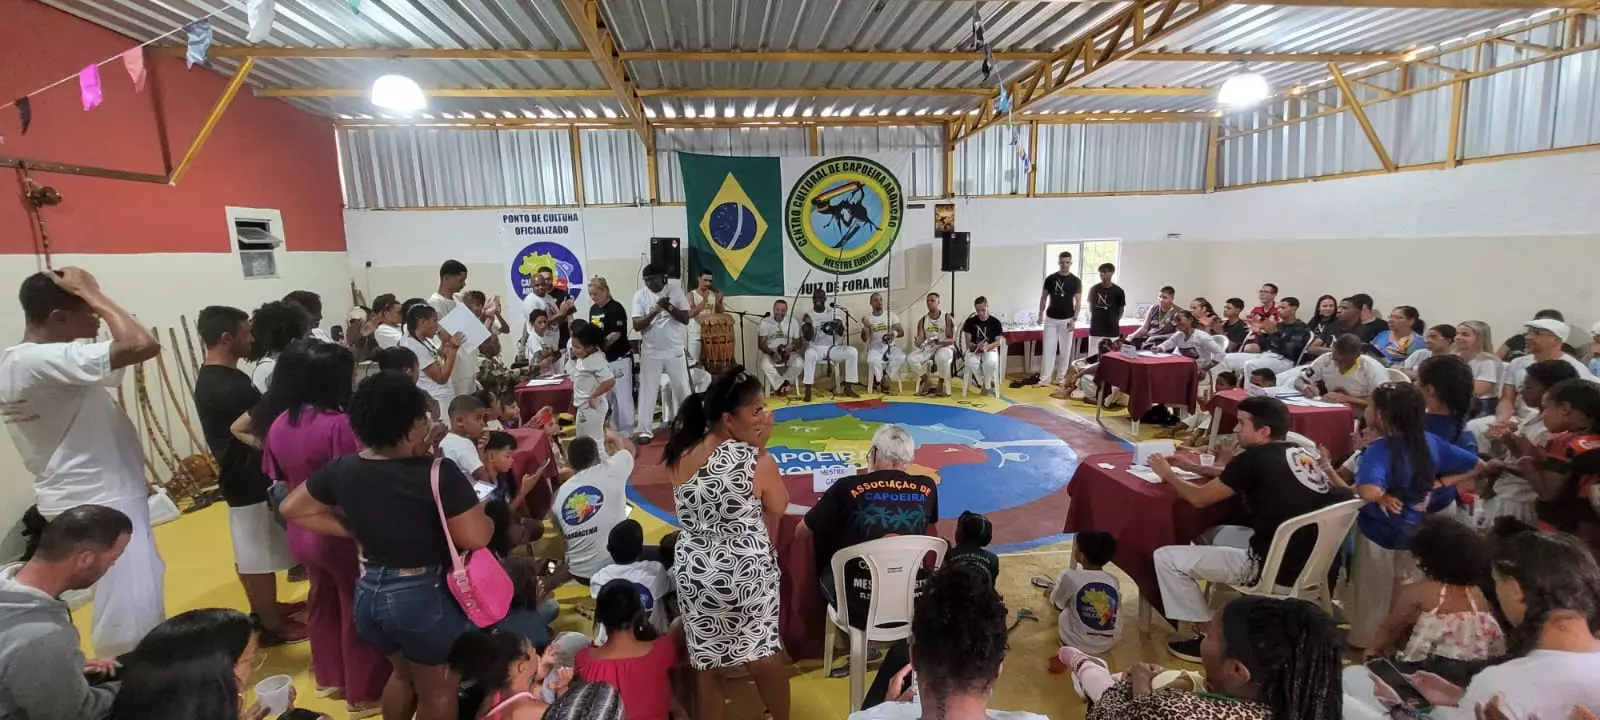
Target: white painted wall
<point x="159" y="288"/>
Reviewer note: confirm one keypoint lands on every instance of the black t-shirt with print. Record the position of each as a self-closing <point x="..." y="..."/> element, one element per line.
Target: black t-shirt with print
<point x="1061" y="289"/>
<point x="388" y="506"/>
<point x="1368" y="331"/>
<point x="1105" y="310"/>
<point x="221" y="395"/>
<point x="1278" y="482"/>
<point x="612" y="318"/>
<point x="1236" y="334"/>
<point x="979" y="332"/>
<point x="868" y="507"/>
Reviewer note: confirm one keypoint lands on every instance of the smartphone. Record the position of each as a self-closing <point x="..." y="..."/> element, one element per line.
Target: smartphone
<point x="549" y="566"/>
<point x="1391" y="676"/>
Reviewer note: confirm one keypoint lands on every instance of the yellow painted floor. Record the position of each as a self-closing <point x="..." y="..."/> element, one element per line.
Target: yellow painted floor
<point x="200" y="574"/>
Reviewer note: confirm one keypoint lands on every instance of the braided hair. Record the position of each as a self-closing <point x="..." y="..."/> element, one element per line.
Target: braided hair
<point x="1405" y="427"/>
<point x="1291" y="649"/>
<point x="1451" y="380"/>
<point x="1556" y="572"/>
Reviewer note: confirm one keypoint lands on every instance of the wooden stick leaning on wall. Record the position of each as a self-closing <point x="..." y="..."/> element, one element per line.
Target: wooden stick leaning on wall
<point x="157" y="435"/>
<point x="183" y="367"/>
<point x="155" y="475"/>
<point x="200" y="447"/>
<point x="188" y="342"/>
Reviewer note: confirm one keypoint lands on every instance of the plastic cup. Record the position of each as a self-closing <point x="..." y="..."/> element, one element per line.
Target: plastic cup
<point x="273" y="694"/>
<point x="1207" y="459"/>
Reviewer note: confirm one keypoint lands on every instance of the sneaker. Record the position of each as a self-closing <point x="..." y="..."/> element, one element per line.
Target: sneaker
<point x="1188" y="649"/>
<point x="292" y="633"/>
<point x="644" y="438"/>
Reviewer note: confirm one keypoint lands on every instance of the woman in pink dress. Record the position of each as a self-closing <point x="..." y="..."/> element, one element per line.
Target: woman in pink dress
<point x="306" y="427"/>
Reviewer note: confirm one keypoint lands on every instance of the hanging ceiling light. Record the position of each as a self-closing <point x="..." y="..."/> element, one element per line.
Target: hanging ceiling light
<point x="398" y="92"/>
<point x="1243" y="89"/>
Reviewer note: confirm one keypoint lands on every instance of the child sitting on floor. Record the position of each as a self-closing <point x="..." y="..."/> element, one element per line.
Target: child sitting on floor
<point x="508" y="672"/>
<point x="973" y="533"/>
<point x="633" y="656"/>
<point x="533" y="606"/>
<point x="626" y="545"/>
<point x="1088" y="596"/>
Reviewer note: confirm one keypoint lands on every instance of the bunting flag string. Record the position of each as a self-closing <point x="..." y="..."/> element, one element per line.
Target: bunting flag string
<point x="25" y="112"/>
<point x="260" y="14"/>
<point x="199" y="41"/>
<point x="133" y="61"/>
<point x="89" y="87"/>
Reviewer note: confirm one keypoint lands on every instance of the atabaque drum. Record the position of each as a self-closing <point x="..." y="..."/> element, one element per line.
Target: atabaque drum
<point x="716" y="342"/>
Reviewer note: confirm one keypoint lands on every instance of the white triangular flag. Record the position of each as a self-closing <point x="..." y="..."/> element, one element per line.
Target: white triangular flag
<point x="260" y="14"/>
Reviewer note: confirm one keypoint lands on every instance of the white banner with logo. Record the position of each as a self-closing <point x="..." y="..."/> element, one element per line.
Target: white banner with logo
<point x="534" y="239"/>
<point x="842" y="216"/>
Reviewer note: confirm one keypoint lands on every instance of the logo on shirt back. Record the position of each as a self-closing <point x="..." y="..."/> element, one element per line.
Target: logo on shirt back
<point x="1304" y="466"/>
<point x="581" y="505"/>
<point x="1096" y="604"/>
<point x="647" y="599"/>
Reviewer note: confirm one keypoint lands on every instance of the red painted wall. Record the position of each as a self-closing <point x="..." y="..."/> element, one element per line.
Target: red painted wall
<point x="264" y="153"/>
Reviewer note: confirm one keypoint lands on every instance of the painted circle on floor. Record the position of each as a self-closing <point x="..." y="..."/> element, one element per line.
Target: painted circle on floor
<point x="996" y="463"/>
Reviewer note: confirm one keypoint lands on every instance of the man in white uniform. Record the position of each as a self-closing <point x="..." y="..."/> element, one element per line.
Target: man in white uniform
<point x="822" y="328"/>
<point x="556" y="311"/>
<point x="452" y="279"/>
<point x="936" y="343"/>
<point x="703" y="300"/>
<point x="80" y="447"/>
<point x="660" y="313"/>
<point x="1349" y="375"/>
<point x="882" y="332"/>
<point x="782" y="350"/>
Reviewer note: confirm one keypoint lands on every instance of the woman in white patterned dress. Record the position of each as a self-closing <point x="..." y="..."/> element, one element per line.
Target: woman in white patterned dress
<point x="725" y="569"/>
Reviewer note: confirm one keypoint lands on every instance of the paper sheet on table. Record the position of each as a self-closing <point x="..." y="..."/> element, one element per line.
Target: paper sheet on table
<point x="1143" y="450"/>
<point x="461" y="320"/>
<point x="1147" y="353"/>
<point x="823" y="478"/>
<point x="1308" y="402"/>
<point x="1150" y="476"/>
<point x="542" y="382"/>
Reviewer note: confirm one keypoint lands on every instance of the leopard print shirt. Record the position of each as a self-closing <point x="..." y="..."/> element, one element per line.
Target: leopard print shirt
<point x="1118" y="703"/>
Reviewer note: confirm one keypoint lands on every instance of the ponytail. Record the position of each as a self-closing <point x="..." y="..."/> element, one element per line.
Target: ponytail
<point x="689" y="427"/>
<point x="415" y="315"/>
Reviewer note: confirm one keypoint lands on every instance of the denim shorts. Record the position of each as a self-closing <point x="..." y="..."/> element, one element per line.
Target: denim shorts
<point x="410" y="612"/>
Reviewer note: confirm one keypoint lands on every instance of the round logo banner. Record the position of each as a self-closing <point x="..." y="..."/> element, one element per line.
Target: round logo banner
<point x="842" y="216"/>
<point x="566" y="268"/>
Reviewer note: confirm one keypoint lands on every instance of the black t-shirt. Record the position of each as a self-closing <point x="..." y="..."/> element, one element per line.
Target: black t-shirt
<point x="868" y="507"/>
<point x="1278" y="482"/>
<point x="1061" y="289"/>
<point x="1289" y="341"/>
<point x="388" y="506"/>
<point x="1105" y="310"/>
<point x="1370" y="330"/>
<point x="612" y="318"/>
<point x="982" y="331"/>
<point x="1236" y="333"/>
<point x="221" y="395"/>
<point x="977" y="556"/>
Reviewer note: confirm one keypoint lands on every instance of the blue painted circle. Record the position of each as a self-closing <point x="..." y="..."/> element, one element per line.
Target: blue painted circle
<point x="733" y="226"/>
<point x="565" y="266"/>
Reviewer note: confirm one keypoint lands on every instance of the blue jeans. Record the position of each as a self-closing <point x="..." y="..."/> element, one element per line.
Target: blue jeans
<point x="410" y="612"/>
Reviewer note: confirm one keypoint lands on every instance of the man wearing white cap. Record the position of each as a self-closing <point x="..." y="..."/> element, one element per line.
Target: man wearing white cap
<point x="1544" y="337"/>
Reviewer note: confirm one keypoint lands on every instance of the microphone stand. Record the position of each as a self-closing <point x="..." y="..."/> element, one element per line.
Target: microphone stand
<point x="743" y="318"/>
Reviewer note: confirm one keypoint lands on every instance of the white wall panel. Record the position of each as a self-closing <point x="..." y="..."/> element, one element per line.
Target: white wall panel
<point x="1120" y="157"/>
<point x="925" y="142"/>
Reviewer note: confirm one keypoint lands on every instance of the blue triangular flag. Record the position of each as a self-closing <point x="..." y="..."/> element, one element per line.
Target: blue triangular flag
<point x="199" y="43"/>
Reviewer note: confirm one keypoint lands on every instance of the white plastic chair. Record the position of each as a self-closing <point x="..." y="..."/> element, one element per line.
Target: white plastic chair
<point x="1333" y="525"/>
<point x="1398" y="375"/>
<point x="893" y="564"/>
<point x="1301" y="440"/>
<point x="969" y="367"/>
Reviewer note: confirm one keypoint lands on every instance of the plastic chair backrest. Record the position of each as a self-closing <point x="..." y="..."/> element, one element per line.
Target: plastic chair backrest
<point x="1398" y="375"/>
<point x="1302" y="441"/>
<point x="1333" y="524"/>
<point x="893" y="563"/>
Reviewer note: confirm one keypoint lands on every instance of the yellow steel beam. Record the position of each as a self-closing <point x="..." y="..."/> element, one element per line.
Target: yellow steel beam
<point x="827" y="56"/>
<point x="1428" y="4"/>
<point x="813" y="140"/>
<point x="217" y="110"/>
<point x="1266" y="57"/>
<point x="1361" y="117"/>
<point x="493" y="123"/>
<point x="1033" y="154"/>
<point x="810" y="92"/>
<point x="1458" y="102"/>
<point x="736" y="93"/>
<point x="590" y="25"/>
<point x="1213" y="133"/>
<point x="1135" y="90"/>
<point x="577" y="164"/>
<point x="440" y="92"/>
<point x="1091" y="52"/>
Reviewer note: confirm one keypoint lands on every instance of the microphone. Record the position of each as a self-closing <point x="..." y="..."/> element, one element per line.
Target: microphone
<point x="766" y="315"/>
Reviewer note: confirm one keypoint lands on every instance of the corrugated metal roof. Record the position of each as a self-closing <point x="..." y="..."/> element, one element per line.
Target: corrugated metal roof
<point x="792" y="25"/>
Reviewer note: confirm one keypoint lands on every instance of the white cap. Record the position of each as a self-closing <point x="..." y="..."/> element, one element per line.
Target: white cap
<point x="1594" y="329"/>
<point x="1550" y="325"/>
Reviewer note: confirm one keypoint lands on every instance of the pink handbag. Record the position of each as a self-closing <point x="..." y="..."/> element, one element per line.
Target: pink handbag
<point x="481" y="586"/>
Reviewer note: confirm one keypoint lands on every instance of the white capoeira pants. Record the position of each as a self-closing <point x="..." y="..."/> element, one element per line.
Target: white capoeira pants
<point x="985" y="366"/>
<point x="845" y="355"/>
<point x="129" y="600"/>
<point x="1376" y="576"/>
<point x="621" y="395"/>
<point x="940" y="357"/>
<point x="650" y="370"/>
<point x="1181" y="568"/>
<point x="789" y="372"/>
<point x="876" y="364"/>
<point x="1056" y="349"/>
<point x="1243" y="364"/>
<point x="590" y="422"/>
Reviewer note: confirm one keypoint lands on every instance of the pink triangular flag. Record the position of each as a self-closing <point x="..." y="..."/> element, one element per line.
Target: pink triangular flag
<point x="89" y="86"/>
<point x="133" y="60"/>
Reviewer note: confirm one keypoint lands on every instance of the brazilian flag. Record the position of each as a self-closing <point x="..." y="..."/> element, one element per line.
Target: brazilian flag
<point x="735" y="213"/>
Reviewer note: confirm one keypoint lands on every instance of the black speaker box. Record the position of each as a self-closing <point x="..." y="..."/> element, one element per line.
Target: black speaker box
<point x="957" y="246"/>
<point x="664" y="254"/>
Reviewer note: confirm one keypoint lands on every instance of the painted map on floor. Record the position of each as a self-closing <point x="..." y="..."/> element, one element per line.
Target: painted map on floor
<point x="1012" y="465"/>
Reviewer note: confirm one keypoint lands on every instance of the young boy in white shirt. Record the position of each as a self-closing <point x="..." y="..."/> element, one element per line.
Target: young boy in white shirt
<point x="460" y="446"/>
<point x="1088" y="596"/>
<point x="626" y="545"/>
<point x="592" y="380"/>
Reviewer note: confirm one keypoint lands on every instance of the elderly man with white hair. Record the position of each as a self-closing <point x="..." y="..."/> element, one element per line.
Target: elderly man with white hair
<point x="886" y="500"/>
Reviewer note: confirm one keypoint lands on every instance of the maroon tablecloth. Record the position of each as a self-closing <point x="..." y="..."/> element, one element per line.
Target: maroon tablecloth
<point x="1141" y="515"/>
<point x="1150" y="381"/>
<point x="1329" y="427"/>
<point x="533" y="452"/>
<point x="557" y="397"/>
<point x="801" y="624"/>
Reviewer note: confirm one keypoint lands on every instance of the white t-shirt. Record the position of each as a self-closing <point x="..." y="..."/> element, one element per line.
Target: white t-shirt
<point x="552" y="332"/>
<point x="933" y="327"/>
<point x="443" y="305"/>
<point x="1517" y="371"/>
<point x="1487" y="368"/>
<point x="1364" y="377"/>
<point x="1202" y="343"/>
<point x="1414" y="360"/>
<point x="81" y="448"/>
<point x="1543" y="683"/>
<point x="778" y="333"/>
<point x="664" y="339"/>
<point x="427" y="354"/>
<point x="462" y="451"/>
<point x="387" y="336"/>
<point x="649" y="576"/>
<point x="587" y="506"/>
<point x="878" y="326"/>
<point x="1089" y="601"/>
<point x="539" y="343"/>
<point x="320" y="334"/>
<point x="587" y="374"/>
<point x="818" y="319"/>
<point x="261" y="374"/>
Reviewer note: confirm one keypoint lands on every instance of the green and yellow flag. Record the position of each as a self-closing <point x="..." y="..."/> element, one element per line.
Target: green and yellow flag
<point x="735" y="212"/>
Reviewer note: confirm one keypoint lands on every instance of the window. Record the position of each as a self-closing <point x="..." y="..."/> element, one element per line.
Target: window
<point x="257" y="236"/>
<point x="1087" y="256"/>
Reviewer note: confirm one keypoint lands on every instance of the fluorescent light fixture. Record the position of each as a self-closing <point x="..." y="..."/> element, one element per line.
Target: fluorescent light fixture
<point x="1243" y="90"/>
<point x="398" y="92"/>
